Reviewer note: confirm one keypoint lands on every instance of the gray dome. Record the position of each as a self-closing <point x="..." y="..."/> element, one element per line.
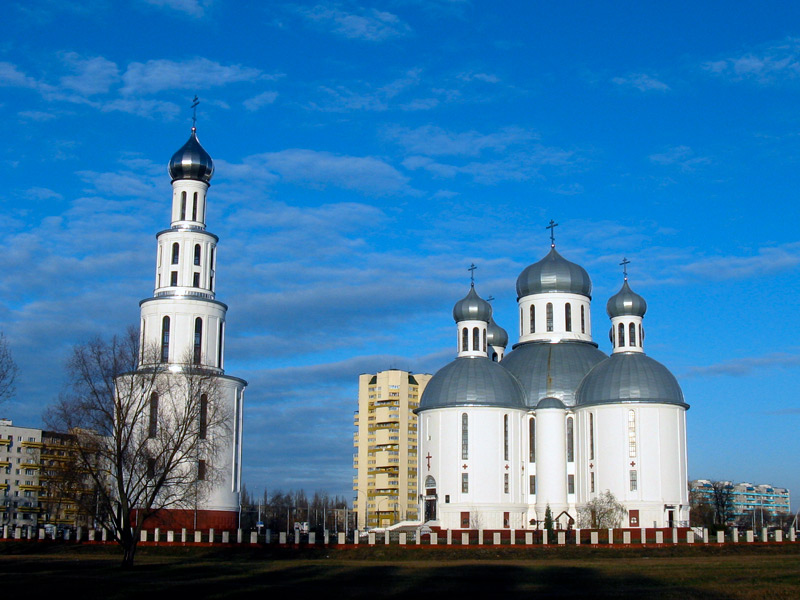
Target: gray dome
<point x="629" y="377"/>
<point x="191" y="162"/>
<point x="550" y="403"/>
<point x="472" y="382"/>
<point x="496" y="335"/>
<point x="552" y="370"/>
<point x="626" y="302"/>
<point x="472" y="308"/>
<point x="554" y="273"/>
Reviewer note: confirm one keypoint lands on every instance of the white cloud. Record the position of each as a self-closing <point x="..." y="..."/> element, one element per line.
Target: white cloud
<point x="11" y="76"/>
<point x="434" y="141"/>
<point x="159" y="75"/>
<point x="368" y="24"/>
<point x="642" y="82"/>
<point x="92" y="75"/>
<point x="771" y="63"/>
<point x="259" y="101"/>
<point x="741" y="367"/>
<point x="36" y="115"/>
<point x="142" y="108"/>
<point x="193" y="8"/>
<point x="682" y="156"/>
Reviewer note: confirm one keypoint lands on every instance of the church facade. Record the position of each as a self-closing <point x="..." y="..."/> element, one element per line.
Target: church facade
<point x="554" y="423"/>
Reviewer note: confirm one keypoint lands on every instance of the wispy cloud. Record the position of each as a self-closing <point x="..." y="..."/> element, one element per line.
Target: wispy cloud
<point x="158" y="75"/>
<point x="682" y="156"/>
<point x="193" y="8"/>
<point x="642" y="82"/>
<point x="342" y="98"/>
<point x="362" y="24"/>
<point x="768" y="64"/>
<point x="768" y="260"/>
<point x="90" y="75"/>
<point x="741" y="367"/>
<point x="261" y="100"/>
<point x="431" y="140"/>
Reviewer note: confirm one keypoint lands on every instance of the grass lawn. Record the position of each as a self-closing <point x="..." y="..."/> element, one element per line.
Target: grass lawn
<point x="693" y="572"/>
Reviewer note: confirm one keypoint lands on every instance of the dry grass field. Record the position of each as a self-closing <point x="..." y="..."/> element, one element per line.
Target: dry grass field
<point x="716" y="573"/>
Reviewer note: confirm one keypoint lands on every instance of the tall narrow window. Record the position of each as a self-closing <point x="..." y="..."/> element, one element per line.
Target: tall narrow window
<point x="591" y="482"/>
<point x="583" y="319"/>
<point x="505" y="483"/>
<point x="632" y="335"/>
<point x="151" y="468"/>
<point x="476" y="339"/>
<point x="634" y="481"/>
<point x="641" y="335"/>
<point x="505" y="437"/>
<point x="549" y="315"/>
<point x="568" y="316"/>
<point x="201" y="470"/>
<point x="532" y="484"/>
<point x="183" y="206"/>
<point x="464" y="436"/>
<point x="173" y="278"/>
<point x="198" y="339"/>
<point x="484" y="340"/>
<point x="165" y="339"/>
<point x="176" y="252"/>
<point x="591" y="436"/>
<point x="197" y="254"/>
<point x="464" y="483"/>
<point x="532" y="441"/>
<point x="464" y="339"/>
<point x="219" y="347"/>
<point x="533" y="319"/>
<point x="570" y="484"/>
<point x="194" y="207"/>
<point x="570" y="440"/>
<point x="520" y="321"/>
<point x="196" y="279"/>
<point x="202" y="211"/>
<point x="631" y="434"/>
<point x="203" y="428"/>
<point x="621" y="335"/>
<point x="152" y="426"/>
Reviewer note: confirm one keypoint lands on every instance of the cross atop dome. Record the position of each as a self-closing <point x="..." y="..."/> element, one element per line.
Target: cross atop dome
<point x="195" y="102"/>
<point x="471" y="270"/>
<point x="624" y="264"/>
<point x="552" y="227"/>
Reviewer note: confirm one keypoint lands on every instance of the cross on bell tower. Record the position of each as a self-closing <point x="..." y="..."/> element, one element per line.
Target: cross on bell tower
<point x="624" y="264"/>
<point x="552" y="227"/>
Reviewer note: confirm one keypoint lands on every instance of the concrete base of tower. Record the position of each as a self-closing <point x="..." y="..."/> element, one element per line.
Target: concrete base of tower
<point x="177" y="519"/>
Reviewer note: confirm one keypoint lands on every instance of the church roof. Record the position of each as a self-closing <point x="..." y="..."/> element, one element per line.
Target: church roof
<point x="554" y="273"/>
<point x="496" y="335"/>
<point x="472" y="308"/>
<point x="626" y="302"/>
<point x="552" y="370"/>
<point x="191" y="161"/>
<point x="472" y="382"/>
<point x="629" y="377"/>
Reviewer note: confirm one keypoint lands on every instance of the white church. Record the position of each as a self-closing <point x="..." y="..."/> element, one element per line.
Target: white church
<point x="555" y="422"/>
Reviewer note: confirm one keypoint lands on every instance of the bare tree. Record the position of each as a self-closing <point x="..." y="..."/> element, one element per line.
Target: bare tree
<point x="722" y="501"/>
<point x="603" y="512"/>
<point x="146" y="436"/>
<point x="8" y="370"/>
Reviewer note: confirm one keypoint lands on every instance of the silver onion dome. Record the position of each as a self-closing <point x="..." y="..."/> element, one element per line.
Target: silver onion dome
<point x="626" y="302"/>
<point x="472" y="382"/>
<point x="554" y="273"/>
<point x="191" y="162"/>
<point x="496" y="335"/>
<point x="472" y="308"/>
<point x="629" y="377"/>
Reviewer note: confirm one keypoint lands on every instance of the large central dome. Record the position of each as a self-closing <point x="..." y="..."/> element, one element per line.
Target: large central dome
<point x="554" y="273"/>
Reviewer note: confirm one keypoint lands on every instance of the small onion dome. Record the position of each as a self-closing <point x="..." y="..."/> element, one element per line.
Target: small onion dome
<point x="629" y="377"/>
<point x="550" y="403"/>
<point x="554" y="273"/>
<point x="191" y="162"/>
<point x="496" y="335"/>
<point x="472" y="308"/>
<point x="626" y="302"/>
<point x="472" y="382"/>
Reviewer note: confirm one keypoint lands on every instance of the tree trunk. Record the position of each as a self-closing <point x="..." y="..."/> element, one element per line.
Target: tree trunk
<point x="128" y="553"/>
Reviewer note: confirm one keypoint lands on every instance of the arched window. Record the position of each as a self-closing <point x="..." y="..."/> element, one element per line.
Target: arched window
<point x="176" y="253"/>
<point x="165" y="339"/>
<point x="632" y="335"/>
<point x="183" y="206"/>
<point x="484" y="340"/>
<point x="203" y="429"/>
<point x="621" y="336"/>
<point x="591" y="436"/>
<point x="476" y="339"/>
<point x="198" y="339"/>
<point x="464" y="436"/>
<point x="520" y="321"/>
<point x="570" y="440"/>
<point x="194" y="207"/>
<point x="533" y="319"/>
<point x="464" y="339"/>
<point x="549" y="314"/>
<point x="219" y="346"/>
<point x="568" y="316"/>
<point x="583" y="320"/>
<point x="532" y="441"/>
<point x="202" y="211"/>
<point x="494" y="356"/>
<point x="197" y="254"/>
<point x="505" y="437"/>
<point x="641" y="335"/>
<point x="152" y="428"/>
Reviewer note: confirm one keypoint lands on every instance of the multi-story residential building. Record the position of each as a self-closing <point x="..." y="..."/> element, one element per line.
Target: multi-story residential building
<point x="746" y="498"/>
<point x="385" y="442"/>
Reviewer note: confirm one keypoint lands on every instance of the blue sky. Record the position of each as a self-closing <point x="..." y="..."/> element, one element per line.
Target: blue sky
<point x="367" y="153"/>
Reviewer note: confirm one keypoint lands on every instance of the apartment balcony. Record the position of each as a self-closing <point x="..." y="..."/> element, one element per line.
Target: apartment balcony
<point x="32" y="444"/>
<point x="4" y="464"/>
<point x="5" y="442"/>
<point x="36" y="466"/>
<point x="31" y="488"/>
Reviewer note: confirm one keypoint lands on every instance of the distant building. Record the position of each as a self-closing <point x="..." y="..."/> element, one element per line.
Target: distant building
<point x="385" y="442"/>
<point x="746" y="498"/>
